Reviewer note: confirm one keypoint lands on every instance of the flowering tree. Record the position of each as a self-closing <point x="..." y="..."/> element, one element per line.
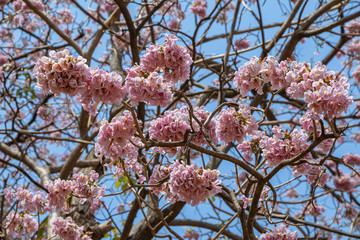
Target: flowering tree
<point x="126" y="120"/>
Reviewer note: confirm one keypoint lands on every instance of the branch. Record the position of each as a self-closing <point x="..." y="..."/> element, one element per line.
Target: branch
<point x="55" y="27"/>
<point x="41" y="171"/>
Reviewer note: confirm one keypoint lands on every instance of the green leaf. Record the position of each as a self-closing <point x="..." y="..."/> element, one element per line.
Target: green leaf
<point x="117" y="184"/>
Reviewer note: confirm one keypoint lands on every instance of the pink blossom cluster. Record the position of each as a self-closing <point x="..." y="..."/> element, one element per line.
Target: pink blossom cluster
<point x="28" y="201"/>
<point x="62" y="73"/>
<point x="280" y="233"/>
<point x="150" y="88"/>
<point x="198" y="7"/>
<point x="313" y="211"/>
<point x="353" y="159"/>
<point x="186" y="183"/>
<point x="247" y="148"/>
<point x="68" y="230"/>
<point x="103" y="87"/>
<point x="314" y="174"/>
<point x="242" y="43"/>
<point x="19" y="5"/>
<point x="356" y="74"/>
<point x="291" y="193"/>
<point x="191" y="235"/>
<point x="353" y="26"/>
<point x="350" y="211"/>
<point x="353" y="47"/>
<point x="233" y="125"/>
<point x="356" y="137"/>
<point x="20" y="226"/>
<point x="171" y="59"/>
<point x="344" y="183"/>
<point x="130" y="164"/>
<point x="283" y="145"/>
<point x="59" y="191"/>
<point x="172" y="126"/>
<point x="247" y="77"/>
<point x="45" y="113"/>
<point x="81" y="186"/>
<point x="66" y="17"/>
<point x="269" y="70"/>
<point x="87" y="189"/>
<point x="114" y="138"/>
<point x="324" y="91"/>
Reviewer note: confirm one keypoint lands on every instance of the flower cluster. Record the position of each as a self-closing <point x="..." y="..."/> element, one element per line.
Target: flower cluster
<point x="62" y="73"/>
<point x="356" y="74"/>
<point x="190" y="234"/>
<point x="150" y="88"/>
<point x="186" y="183"/>
<point x="81" y="186"/>
<point x="171" y="59"/>
<point x="173" y="126"/>
<point x="103" y="87"/>
<point x="281" y="232"/>
<point x="198" y="7"/>
<point x="353" y="26"/>
<point x="344" y="183"/>
<point x="247" y="77"/>
<point x="28" y="201"/>
<point x="20" y="226"/>
<point x="247" y="148"/>
<point x="68" y="230"/>
<point x="87" y="189"/>
<point x="324" y="91"/>
<point x="45" y="113"/>
<point x="315" y="174"/>
<point x="283" y="145"/>
<point x="353" y="159"/>
<point x="114" y="138"/>
<point x="233" y="125"/>
<point x="242" y="44"/>
<point x="313" y="211"/>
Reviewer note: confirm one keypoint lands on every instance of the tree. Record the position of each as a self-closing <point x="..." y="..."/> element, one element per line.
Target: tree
<point x="126" y="120"/>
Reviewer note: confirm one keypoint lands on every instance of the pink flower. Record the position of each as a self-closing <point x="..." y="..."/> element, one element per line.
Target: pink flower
<point x="59" y="190"/>
<point x="246" y="78"/>
<point x="356" y="74"/>
<point x="186" y="183"/>
<point x="198" y="7"/>
<point x="62" y="73"/>
<point x="353" y="26"/>
<point x="102" y="87"/>
<point x="291" y="193"/>
<point x="191" y="235"/>
<point x="113" y="137"/>
<point x="68" y="230"/>
<point x="174" y="24"/>
<point x="45" y="113"/>
<point x="232" y="125"/>
<point x="66" y="16"/>
<point x="150" y="88"/>
<point x="344" y="183"/>
<point x="174" y="125"/>
<point x="279" y="233"/>
<point x="310" y="210"/>
<point x="351" y="158"/>
<point x="29" y="201"/>
<point x="20" y="226"/>
<point x="242" y="44"/>
<point x="170" y="58"/>
<point x="283" y="145"/>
